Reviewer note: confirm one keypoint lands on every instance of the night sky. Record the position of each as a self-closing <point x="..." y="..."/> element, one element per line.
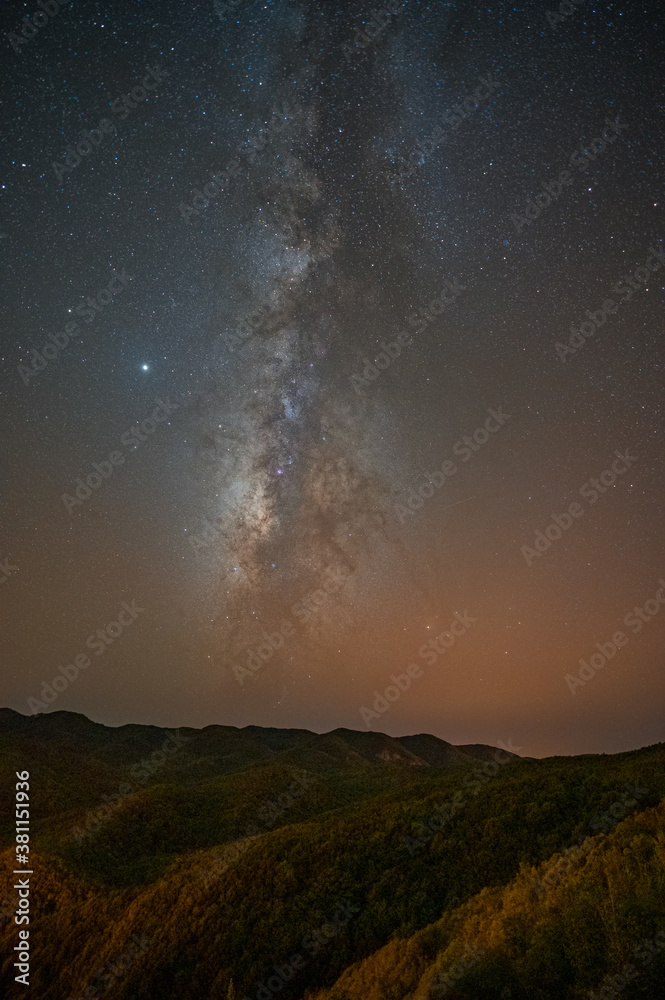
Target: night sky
<point x="316" y="263"/>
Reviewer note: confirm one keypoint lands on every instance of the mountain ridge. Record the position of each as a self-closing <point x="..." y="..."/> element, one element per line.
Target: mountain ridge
<point x="341" y="743"/>
<point x="232" y="850"/>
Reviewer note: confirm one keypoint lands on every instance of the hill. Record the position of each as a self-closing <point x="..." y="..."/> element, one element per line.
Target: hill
<point x="203" y="864"/>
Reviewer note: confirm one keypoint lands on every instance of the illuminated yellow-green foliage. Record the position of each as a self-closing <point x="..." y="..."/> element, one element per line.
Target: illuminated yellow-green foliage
<point x="196" y="888"/>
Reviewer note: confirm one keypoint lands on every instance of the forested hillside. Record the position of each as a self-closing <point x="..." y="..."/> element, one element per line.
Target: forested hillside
<point x="216" y="863"/>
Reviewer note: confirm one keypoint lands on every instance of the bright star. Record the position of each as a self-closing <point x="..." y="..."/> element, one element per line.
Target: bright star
<point x="144" y="367"/>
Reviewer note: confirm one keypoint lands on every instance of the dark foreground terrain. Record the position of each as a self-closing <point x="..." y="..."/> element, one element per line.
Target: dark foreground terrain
<point x="253" y="863"/>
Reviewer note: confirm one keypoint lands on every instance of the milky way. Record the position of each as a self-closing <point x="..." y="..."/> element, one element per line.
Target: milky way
<point x="292" y="475"/>
<point x="348" y="242"/>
